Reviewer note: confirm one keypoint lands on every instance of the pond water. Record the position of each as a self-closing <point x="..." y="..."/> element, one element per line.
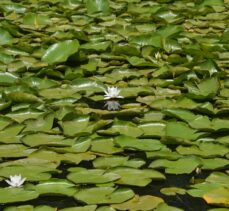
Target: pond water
<point x="114" y="105"/>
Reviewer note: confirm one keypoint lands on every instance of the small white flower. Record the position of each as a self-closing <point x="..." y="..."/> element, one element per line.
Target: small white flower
<point x="157" y="56"/>
<point x="112" y="105"/>
<point x="16" y="181"/>
<point x="112" y="92"/>
<point x="198" y="170"/>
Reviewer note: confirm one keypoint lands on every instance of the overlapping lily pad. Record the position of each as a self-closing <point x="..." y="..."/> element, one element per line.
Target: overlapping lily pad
<point x="169" y="60"/>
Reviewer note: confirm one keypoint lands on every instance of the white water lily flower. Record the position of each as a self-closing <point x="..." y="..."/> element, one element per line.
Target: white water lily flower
<point x="112" y="92"/>
<point x="112" y="105"/>
<point x="16" y="181"/>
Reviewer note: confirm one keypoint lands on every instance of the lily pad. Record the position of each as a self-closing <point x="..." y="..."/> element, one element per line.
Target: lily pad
<point x="84" y="208"/>
<point x="143" y="203"/>
<point x="105" y="145"/>
<point x="104" y="195"/>
<point x="34" y="173"/>
<point x="55" y="186"/>
<point x="171" y="191"/>
<point x="10" y="195"/>
<point x="219" y="196"/>
<point x="136" y="177"/>
<point x="38" y="139"/>
<point x="91" y="176"/>
<point x="181" y="166"/>
<point x="128" y="142"/>
<point x="114" y="161"/>
<point x="59" y="52"/>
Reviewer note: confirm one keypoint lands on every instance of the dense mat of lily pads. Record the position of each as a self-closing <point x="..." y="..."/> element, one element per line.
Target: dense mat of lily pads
<point x="100" y="82"/>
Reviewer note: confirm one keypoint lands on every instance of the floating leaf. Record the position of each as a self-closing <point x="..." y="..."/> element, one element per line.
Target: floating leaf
<point x="76" y="126"/>
<point x="104" y="195"/>
<point x="98" y="6"/>
<point x="5" y="37"/>
<point x="84" y="208"/>
<point x="35" y="172"/>
<point x="128" y="142"/>
<point x="105" y="145"/>
<point x="207" y="88"/>
<point x="7" y="78"/>
<point x="171" y="191"/>
<point x="181" y="130"/>
<point x="55" y="186"/>
<point x="10" y="195"/>
<point x="14" y="150"/>
<point x="136" y="177"/>
<point x="165" y="207"/>
<point x="154" y="129"/>
<point x="124" y="128"/>
<point x="181" y="166"/>
<point x="59" y="52"/>
<point x="114" y="161"/>
<point x="219" y="196"/>
<point x="92" y="176"/>
<point x="143" y="203"/>
<point x="38" y="139"/>
<point x="204" y="150"/>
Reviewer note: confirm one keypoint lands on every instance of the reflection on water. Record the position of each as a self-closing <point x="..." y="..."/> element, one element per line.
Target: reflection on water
<point x="112" y="105"/>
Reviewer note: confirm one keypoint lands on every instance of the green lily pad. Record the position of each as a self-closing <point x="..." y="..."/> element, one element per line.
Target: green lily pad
<point x="104" y="195"/>
<point x="7" y="78"/>
<point x="42" y="123"/>
<point x="52" y="156"/>
<point x="214" y="163"/>
<point x="204" y="150"/>
<point x="20" y="208"/>
<point x="14" y="150"/>
<point x="105" y="208"/>
<point x="165" y="207"/>
<point x="205" y="89"/>
<point x="59" y="52"/>
<point x="91" y="176"/>
<point x="143" y="203"/>
<point x="76" y="126"/>
<point x="5" y="37"/>
<point x="84" y="208"/>
<point x="55" y="186"/>
<point x="10" y="195"/>
<point x="105" y="145"/>
<point x="59" y="93"/>
<point x="153" y="129"/>
<point x="9" y="134"/>
<point x="123" y="128"/>
<point x="23" y="114"/>
<point x="219" y="196"/>
<point x="114" y="161"/>
<point x="181" y="130"/>
<point x="127" y="142"/>
<point x="38" y="83"/>
<point x="98" y="6"/>
<point x="38" y="139"/>
<point x="219" y="178"/>
<point x="181" y="166"/>
<point x="172" y="191"/>
<point x="136" y="177"/>
<point x="34" y="173"/>
<point x="33" y="20"/>
<point x="198" y="190"/>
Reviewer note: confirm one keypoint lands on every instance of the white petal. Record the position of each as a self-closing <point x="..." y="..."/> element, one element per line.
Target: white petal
<point x="10" y="183"/>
